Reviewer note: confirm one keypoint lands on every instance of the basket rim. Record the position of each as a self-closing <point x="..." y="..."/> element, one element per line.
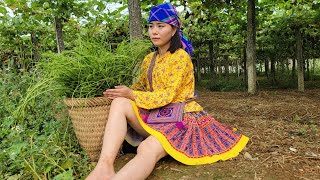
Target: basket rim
<point x="85" y="102"/>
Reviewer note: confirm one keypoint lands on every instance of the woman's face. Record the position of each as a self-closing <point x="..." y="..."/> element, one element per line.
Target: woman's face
<point x="161" y="33"/>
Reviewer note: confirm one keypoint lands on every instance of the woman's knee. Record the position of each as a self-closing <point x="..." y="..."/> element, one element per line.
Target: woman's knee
<point x="120" y="101"/>
<point x="120" y="104"/>
<point x="123" y="105"/>
<point x="151" y="147"/>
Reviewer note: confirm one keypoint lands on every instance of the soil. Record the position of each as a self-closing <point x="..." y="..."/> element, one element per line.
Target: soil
<point x="283" y="127"/>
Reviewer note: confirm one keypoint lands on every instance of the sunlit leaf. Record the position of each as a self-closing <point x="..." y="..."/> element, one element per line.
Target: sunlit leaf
<point x="101" y="6"/>
<point x="64" y="175"/>
<point x="3" y="10"/>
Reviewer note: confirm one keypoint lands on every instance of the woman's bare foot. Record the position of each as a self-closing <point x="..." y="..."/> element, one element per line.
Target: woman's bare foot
<point x="101" y="172"/>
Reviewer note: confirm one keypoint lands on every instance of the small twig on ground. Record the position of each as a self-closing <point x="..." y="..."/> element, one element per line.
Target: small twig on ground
<point x="266" y="159"/>
<point x="262" y="162"/>
<point x="174" y="169"/>
<point x="294" y="157"/>
<point x="315" y="158"/>
<point x="280" y="165"/>
<point x="301" y="177"/>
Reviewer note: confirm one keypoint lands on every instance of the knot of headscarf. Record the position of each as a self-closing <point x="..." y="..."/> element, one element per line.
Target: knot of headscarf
<point x="167" y="13"/>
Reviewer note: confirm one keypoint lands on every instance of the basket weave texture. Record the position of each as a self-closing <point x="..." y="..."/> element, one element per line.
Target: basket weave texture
<point x="89" y="117"/>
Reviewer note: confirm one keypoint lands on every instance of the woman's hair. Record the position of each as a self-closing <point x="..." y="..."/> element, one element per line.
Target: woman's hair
<point x="175" y="42"/>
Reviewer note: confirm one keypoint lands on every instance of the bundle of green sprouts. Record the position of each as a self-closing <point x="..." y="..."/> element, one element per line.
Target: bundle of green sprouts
<point x="92" y="67"/>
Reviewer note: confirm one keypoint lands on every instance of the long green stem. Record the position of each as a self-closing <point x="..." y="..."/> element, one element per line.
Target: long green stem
<point x="53" y="162"/>
<point x="32" y="169"/>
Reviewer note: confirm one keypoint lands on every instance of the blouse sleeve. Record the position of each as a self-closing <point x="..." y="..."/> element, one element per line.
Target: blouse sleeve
<point x="163" y="96"/>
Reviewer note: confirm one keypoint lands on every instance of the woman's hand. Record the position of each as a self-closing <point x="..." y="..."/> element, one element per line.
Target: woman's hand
<point x="119" y="91"/>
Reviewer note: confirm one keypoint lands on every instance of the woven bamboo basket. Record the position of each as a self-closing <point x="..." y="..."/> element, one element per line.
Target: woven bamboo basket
<point x="89" y="117"/>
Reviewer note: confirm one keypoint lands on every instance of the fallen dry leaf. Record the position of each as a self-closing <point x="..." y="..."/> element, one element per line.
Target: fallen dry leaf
<point x="293" y="149"/>
<point x="248" y="156"/>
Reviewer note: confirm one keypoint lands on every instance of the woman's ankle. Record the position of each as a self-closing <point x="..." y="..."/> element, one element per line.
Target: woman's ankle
<point x="105" y="162"/>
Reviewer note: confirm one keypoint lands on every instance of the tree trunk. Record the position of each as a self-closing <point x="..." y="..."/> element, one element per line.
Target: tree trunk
<point x="299" y="60"/>
<point x="273" y="70"/>
<point x="313" y="69"/>
<point x="260" y="68"/>
<point x="293" y="70"/>
<point x="135" y="19"/>
<point x="282" y="66"/>
<point x="22" y="58"/>
<point x="220" y="67"/>
<point x="226" y="66"/>
<point x="237" y="67"/>
<point x="251" y="48"/>
<point x="239" y="63"/>
<point x="308" y="70"/>
<point x="266" y="67"/>
<point x="211" y="59"/>
<point x="245" y="74"/>
<point x="35" y="47"/>
<point x="204" y="66"/>
<point x="287" y="66"/>
<point x="198" y="68"/>
<point x="59" y="34"/>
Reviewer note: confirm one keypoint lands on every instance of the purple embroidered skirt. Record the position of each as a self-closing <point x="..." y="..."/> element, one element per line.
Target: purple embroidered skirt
<point x="202" y="140"/>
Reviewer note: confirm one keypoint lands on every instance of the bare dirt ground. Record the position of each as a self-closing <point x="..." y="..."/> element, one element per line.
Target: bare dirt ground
<point x="284" y="131"/>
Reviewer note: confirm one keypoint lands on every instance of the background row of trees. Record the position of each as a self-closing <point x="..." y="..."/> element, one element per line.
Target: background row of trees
<point x="277" y="38"/>
<point x="229" y="36"/>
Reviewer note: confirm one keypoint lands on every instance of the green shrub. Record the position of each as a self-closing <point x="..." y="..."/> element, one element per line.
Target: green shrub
<point x="225" y="85"/>
<point x="285" y="83"/>
<point x="42" y="144"/>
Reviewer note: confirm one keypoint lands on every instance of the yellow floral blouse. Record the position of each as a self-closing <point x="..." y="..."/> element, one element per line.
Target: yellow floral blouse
<point x="172" y="81"/>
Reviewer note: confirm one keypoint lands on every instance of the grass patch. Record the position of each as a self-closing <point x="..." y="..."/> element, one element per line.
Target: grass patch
<point x="285" y="83"/>
<point x="223" y="85"/>
<point x="41" y="145"/>
<point x="236" y="84"/>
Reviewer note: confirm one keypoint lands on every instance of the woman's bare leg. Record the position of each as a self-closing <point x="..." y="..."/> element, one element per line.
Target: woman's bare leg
<point x="121" y="113"/>
<point x="149" y="152"/>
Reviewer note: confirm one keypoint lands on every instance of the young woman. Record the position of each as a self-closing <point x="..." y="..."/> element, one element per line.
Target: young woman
<point x="200" y="140"/>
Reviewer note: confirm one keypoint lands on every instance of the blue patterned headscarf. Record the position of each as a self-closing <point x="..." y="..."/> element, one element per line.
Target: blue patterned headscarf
<point x="167" y="13"/>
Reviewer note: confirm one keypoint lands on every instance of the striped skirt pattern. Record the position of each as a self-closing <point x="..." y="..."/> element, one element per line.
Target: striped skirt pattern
<point x="202" y="140"/>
